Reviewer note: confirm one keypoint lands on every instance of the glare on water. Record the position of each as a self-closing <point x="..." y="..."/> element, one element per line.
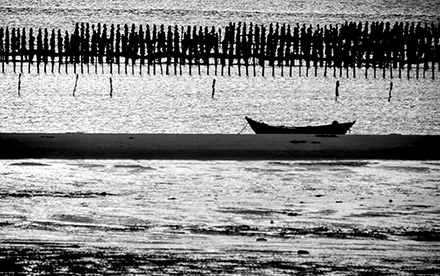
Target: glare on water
<point x="184" y="104"/>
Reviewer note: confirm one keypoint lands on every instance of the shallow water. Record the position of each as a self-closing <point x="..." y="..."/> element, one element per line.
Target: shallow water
<point x="64" y="14"/>
<point x="226" y="217"/>
<point x="184" y="104"/>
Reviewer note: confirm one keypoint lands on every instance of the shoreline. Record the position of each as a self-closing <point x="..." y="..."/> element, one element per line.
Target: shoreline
<point x="217" y="146"/>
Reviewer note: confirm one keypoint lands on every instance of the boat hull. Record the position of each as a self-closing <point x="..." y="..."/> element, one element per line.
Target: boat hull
<point x="335" y="128"/>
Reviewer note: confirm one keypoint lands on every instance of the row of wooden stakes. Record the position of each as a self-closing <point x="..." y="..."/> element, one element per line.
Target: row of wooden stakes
<point x="247" y="47"/>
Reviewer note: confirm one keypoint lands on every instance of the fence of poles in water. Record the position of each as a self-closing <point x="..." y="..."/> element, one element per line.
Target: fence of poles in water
<point x="350" y="49"/>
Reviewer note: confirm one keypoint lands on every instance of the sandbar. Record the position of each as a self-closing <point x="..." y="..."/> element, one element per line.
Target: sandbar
<point x="217" y="146"/>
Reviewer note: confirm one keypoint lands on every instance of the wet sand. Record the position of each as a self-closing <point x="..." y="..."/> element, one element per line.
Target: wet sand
<point x="187" y="217"/>
<point x="217" y="146"/>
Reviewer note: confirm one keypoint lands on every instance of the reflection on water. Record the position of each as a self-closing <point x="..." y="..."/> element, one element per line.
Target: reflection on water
<point x="220" y="217"/>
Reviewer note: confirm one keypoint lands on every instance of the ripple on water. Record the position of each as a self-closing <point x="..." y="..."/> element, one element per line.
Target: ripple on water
<point x="29" y="164"/>
<point x="325" y="163"/>
<point x="137" y="167"/>
<point x="50" y="194"/>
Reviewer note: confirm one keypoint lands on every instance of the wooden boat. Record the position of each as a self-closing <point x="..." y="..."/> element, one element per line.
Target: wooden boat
<point x="334" y="128"/>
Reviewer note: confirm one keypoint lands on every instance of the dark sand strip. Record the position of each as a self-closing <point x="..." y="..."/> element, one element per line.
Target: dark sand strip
<point x="217" y="146"/>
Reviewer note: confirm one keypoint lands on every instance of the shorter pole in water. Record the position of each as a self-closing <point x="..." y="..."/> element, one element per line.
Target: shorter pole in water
<point x="76" y="84"/>
<point x="19" y="84"/>
<point x="213" y="89"/>
<point x="389" y="94"/>
<point x="337" y="91"/>
<point x="111" y="88"/>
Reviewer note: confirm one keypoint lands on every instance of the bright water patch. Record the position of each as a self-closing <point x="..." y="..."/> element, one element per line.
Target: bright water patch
<point x="183" y="104"/>
<point x="65" y="14"/>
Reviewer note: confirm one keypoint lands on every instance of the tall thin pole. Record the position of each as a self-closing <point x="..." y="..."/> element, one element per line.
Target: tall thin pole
<point x="19" y="84"/>
<point x="111" y="88"/>
<point x="76" y="84"/>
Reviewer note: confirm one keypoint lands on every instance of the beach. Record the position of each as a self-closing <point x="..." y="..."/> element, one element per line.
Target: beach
<point x="209" y="217"/>
<point x="218" y="146"/>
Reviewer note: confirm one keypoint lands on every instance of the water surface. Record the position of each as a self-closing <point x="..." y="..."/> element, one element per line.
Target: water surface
<point x="222" y="217"/>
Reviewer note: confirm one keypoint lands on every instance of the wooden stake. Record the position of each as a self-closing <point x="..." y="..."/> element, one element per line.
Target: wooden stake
<point x="19" y="84"/>
<point x="389" y="94"/>
<point x="76" y="83"/>
<point x="111" y="88"/>
<point x="213" y="89"/>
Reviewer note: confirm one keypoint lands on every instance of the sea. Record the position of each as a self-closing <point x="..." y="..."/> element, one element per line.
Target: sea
<point x="192" y="217"/>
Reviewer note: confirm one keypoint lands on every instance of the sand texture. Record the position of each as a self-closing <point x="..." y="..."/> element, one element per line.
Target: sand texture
<point x="217" y="146"/>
